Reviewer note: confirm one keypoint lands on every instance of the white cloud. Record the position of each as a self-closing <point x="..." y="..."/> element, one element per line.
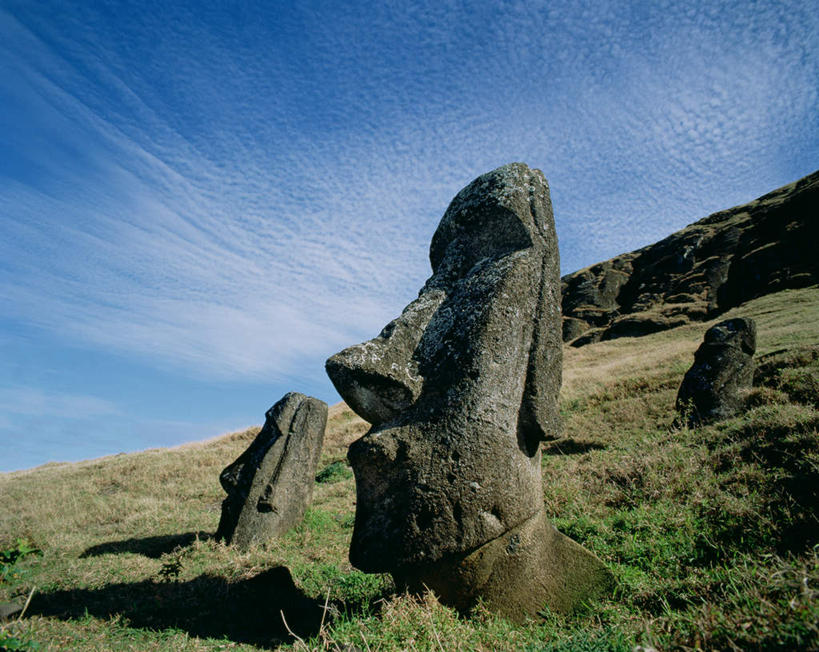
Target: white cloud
<point x="34" y="401"/>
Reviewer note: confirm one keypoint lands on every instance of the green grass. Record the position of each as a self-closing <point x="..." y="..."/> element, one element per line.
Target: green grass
<point x="712" y="533"/>
<point x="335" y="472"/>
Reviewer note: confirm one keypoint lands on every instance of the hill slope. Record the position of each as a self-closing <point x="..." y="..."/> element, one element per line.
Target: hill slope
<point x="712" y="533"/>
<point x="699" y="272"/>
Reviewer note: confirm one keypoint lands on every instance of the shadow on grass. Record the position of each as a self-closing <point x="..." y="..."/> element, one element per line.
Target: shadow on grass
<point x="153" y="547"/>
<point x="571" y="447"/>
<point x="247" y="611"/>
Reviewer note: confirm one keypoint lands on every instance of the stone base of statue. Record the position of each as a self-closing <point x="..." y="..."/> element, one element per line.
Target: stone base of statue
<point x="528" y="570"/>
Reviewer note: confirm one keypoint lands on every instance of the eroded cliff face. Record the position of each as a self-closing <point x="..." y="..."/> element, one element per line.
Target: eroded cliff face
<point x="767" y="245"/>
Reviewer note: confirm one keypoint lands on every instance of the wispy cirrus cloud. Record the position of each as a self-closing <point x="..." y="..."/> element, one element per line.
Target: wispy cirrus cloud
<point x="31" y="401"/>
<point x="240" y="196"/>
<point x="230" y="273"/>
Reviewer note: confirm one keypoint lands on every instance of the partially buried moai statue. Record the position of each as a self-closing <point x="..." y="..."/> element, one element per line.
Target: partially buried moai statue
<point x="270" y="485"/>
<point x="723" y="371"/>
<point x="460" y="390"/>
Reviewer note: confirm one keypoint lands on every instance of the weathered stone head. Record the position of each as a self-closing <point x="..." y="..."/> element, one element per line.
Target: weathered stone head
<point x="461" y="389"/>
<point x="271" y="484"/>
<point x="723" y="367"/>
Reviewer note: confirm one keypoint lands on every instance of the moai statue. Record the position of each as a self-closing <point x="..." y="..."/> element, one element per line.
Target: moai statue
<point x="723" y="368"/>
<point x="460" y="390"/>
<point x="270" y="485"/>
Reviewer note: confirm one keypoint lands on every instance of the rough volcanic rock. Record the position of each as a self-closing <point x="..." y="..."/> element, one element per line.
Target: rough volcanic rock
<point x="461" y="389"/>
<point x="271" y="484"/>
<point x="723" y="367"/>
<point x="641" y="324"/>
<point x="694" y="274"/>
<point x="573" y="328"/>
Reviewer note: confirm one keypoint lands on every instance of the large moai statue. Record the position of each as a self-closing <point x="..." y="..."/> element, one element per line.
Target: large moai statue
<point x="460" y="390"/>
<point x="270" y="485"/>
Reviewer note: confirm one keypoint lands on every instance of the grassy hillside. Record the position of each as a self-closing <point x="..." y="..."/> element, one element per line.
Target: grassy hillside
<point x="712" y="533"/>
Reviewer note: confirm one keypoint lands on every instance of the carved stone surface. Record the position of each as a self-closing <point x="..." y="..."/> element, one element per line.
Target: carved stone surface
<point x="461" y="389"/>
<point x="271" y="484"/>
<point x="723" y="366"/>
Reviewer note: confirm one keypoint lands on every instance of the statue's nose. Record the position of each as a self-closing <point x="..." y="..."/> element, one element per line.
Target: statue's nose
<point x="377" y="397"/>
<point x="379" y="378"/>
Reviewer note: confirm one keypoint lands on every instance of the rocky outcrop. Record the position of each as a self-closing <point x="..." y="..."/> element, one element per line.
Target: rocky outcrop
<point x="712" y="388"/>
<point x="271" y="484"/>
<point x="710" y="266"/>
<point x="461" y="389"/>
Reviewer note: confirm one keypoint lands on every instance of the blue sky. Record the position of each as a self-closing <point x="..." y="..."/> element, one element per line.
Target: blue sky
<point x="200" y="202"/>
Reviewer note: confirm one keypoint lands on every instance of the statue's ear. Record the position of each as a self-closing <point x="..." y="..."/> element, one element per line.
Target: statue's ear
<point x="539" y="415"/>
